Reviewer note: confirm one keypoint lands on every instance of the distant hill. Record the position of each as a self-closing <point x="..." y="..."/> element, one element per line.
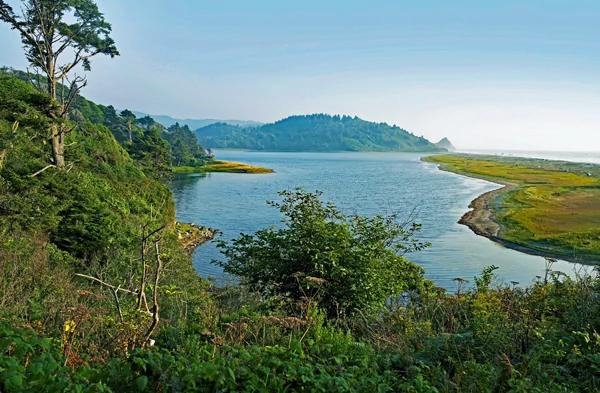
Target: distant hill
<point x="317" y="132"/>
<point x="193" y="124"/>
<point x="446" y="144"/>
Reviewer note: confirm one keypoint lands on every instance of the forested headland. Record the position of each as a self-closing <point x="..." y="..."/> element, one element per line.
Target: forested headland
<point x="318" y="132"/>
<point x="97" y="292"/>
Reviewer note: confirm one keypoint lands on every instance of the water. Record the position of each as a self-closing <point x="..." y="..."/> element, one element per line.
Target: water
<point x="368" y="183"/>
<point x="578" y="156"/>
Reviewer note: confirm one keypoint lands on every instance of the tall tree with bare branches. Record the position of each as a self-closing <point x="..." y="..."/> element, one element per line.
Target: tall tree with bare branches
<point x="59" y="36"/>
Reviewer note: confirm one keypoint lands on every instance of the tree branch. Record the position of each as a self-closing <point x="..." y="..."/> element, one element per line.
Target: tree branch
<point x="153" y="232"/>
<point x="67" y="42"/>
<point x="78" y="59"/>
<point x="9" y="17"/>
<point x="155" y="308"/>
<point x="105" y="283"/>
<point x="42" y="170"/>
<point x="74" y="89"/>
<point x="116" y="295"/>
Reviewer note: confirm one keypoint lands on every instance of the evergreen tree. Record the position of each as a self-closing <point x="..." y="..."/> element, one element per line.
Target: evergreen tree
<point x="48" y="38"/>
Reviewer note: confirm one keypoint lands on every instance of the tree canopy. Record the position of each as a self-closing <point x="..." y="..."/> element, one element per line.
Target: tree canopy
<point x="185" y="150"/>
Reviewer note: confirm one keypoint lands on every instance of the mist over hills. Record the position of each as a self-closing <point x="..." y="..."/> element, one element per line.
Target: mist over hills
<point x="193" y="124"/>
<point x="317" y="132"/>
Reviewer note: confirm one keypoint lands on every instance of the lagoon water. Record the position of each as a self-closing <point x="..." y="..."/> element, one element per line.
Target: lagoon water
<point x="368" y="183"/>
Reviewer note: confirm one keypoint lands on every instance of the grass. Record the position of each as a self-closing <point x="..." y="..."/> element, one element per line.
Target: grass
<point x="223" y="166"/>
<point x="554" y="209"/>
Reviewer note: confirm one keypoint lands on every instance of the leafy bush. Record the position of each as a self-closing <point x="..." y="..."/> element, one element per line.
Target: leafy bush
<point x="350" y="264"/>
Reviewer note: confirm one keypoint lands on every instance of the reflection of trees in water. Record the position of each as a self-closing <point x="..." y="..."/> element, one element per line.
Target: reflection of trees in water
<point x="181" y="181"/>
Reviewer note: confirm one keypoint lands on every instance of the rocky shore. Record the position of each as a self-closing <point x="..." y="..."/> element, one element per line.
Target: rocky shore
<point x="192" y="235"/>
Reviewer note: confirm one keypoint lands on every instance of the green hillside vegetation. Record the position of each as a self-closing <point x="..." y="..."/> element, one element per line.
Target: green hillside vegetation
<point x="157" y="149"/>
<point x="554" y="210"/>
<point x="317" y="132"/>
<point x="97" y="294"/>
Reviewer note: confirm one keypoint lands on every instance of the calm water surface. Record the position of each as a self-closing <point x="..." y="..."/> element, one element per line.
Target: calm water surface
<point x="368" y="183"/>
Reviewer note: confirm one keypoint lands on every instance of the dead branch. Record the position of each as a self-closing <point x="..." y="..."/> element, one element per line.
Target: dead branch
<point x="105" y="283"/>
<point x="116" y="295"/>
<point x="154" y="232"/>
<point x="142" y="294"/>
<point x="70" y="166"/>
<point x="75" y="86"/>
<point x="42" y="170"/>
<point x="155" y="307"/>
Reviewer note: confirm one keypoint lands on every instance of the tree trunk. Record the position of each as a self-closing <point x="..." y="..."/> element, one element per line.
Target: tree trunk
<point x="58" y="147"/>
<point x="58" y="137"/>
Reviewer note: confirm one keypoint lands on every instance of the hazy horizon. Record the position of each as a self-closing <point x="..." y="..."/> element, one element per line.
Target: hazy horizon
<point x="487" y="76"/>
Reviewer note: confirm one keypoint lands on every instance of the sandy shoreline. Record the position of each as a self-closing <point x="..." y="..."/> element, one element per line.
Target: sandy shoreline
<point x="480" y="219"/>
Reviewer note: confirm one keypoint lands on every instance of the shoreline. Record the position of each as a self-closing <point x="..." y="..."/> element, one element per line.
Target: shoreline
<point x="224" y="167"/>
<point x="480" y="220"/>
<point x="191" y="235"/>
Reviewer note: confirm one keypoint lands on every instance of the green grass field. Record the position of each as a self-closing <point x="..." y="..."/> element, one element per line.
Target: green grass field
<point x="223" y="166"/>
<point x="555" y="208"/>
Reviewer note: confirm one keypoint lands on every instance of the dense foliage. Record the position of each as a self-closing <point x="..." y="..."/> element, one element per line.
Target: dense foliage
<point x="185" y="150"/>
<point x="317" y="132"/>
<point x="153" y="147"/>
<point x="346" y="264"/>
<point x="91" y="218"/>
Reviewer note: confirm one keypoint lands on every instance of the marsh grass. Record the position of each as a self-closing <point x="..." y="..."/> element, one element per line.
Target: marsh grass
<point x="223" y="166"/>
<point x="555" y="207"/>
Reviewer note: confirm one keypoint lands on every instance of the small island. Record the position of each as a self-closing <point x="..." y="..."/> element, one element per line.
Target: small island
<point x="547" y="208"/>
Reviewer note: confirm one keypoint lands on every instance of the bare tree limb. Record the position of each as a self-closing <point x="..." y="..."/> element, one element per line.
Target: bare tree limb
<point x="153" y="232"/>
<point x="155" y="307"/>
<point x="42" y="170"/>
<point x="105" y="283"/>
<point x="116" y="295"/>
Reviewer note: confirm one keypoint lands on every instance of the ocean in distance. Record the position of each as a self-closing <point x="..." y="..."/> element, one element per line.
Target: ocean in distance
<point x="366" y="183"/>
<point x="575" y="156"/>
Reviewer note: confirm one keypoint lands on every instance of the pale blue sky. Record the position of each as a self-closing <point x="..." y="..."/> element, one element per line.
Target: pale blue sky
<point x="503" y="74"/>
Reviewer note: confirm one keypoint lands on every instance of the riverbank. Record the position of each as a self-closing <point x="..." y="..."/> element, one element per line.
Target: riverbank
<point x="546" y="208"/>
<point x="223" y="166"/>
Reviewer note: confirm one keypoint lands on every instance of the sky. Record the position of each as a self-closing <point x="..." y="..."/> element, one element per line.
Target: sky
<point x="486" y="74"/>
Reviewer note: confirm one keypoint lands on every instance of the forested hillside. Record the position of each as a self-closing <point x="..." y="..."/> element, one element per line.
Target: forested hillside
<point x="100" y="219"/>
<point x="317" y="132"/>
<point x="154" y="147"/>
